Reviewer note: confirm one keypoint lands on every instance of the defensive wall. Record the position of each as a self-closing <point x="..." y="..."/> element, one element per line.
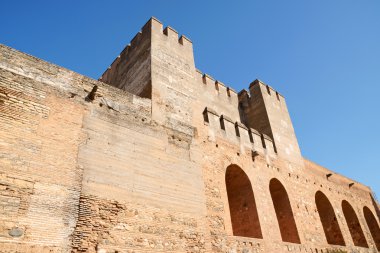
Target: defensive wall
<point x="157" y="156"/>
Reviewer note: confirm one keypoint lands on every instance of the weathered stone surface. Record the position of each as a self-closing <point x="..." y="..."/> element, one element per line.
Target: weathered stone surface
<point x="162" y="158"/>
<point x="15" y="232"/>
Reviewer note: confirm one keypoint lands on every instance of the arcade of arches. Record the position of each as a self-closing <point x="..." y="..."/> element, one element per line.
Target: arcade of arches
<point x="245" y="220"/>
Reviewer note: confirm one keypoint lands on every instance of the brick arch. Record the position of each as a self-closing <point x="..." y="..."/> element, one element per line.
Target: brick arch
<point x="284" y="213"/>
<point x="372" y="225"/>
<point x="328" y="219"/>
<point x="244" y="216"/>
<point x="353" y="224"/>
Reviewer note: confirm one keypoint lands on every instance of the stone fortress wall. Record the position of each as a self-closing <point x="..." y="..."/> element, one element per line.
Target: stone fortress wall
<point x="158" y="157"/>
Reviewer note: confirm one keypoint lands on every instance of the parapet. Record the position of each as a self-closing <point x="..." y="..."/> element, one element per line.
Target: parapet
<point x="159" y="62"/>
<point x="216" y="94"/>
<point x="215" y="86"/>
<point x="256" y="84"/>
<point x="236" y="132"/>
<point x="333" y="176"/>
<point x="265" y="109"/>
<point x="173" y="35"/>
<point x="131" y="70"/>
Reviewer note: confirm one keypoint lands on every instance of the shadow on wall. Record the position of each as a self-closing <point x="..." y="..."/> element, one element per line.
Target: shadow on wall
<point x="375" y="205"/>
<point x="353" y="224"/>
<point x="328" y="219"/>
<point x="373" y="226"/>
<point x="284" y="213"/>
<point x="245" y="219"/>
<point x="244" y="216"/>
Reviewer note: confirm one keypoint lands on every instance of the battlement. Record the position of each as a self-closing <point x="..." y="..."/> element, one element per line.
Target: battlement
<point x="219" y="87"/>
<point x="131" y="70"/>
<point x="215" y="94"/>
<point x="158" y="64"/>
<point x="170" y="32"/>
<point x="269" y="90"/>
<point x="175" y="161"/>
<point x="222" y="126"/>
<point x="265" y="109"/>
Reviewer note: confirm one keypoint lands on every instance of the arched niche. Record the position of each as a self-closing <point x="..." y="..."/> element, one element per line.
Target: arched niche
<point x="284" y="213"/>
<point x="353" y="224"/>
<point x="328" y="219"/>
<point x="244" y="216"/>
<point x="373" y="226"/>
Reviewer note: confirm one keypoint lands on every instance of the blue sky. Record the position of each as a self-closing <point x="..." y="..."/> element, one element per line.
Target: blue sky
<point x="323" y="56"/>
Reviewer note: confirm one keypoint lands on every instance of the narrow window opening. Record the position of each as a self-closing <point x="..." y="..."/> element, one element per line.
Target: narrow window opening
<point x="205" y="116"/>
<point x="237" y="130"/>
<point x="278" y="96"/>
<point x="268" y="89"/>
<point x="250" y="136"/>
<point x="228" y="92"/>
<point x="222" y="126"/>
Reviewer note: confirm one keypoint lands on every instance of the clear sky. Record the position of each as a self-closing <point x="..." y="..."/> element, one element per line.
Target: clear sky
<point x="323" y="56"/>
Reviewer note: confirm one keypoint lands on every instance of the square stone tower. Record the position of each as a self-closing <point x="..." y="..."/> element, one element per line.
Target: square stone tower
<point x="160" y="66"/>
<point x="157" y="156"/>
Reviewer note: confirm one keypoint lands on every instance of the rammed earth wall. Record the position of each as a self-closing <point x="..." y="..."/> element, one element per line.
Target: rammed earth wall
<point x="158" y="157"/>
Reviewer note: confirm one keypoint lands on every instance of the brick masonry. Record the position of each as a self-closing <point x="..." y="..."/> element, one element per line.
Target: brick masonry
<point x="160" y="157"/>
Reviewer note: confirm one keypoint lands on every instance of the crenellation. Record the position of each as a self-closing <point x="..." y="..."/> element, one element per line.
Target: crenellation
<point x="269" y="145"/>
<point x="241" y="125"/>
<point x="216" y="94"/>
<point x="182" y="41"/>
<point x="236" y="132"/>
<point x="220" y="87"/>
<point x="158" y="157"/>
<point x="113" y="65"/>
<point x="155" y="21"/>
<point x="269" y="90"/>
<point x="208" y="80"/>
<point x="185" y="41"/>
<point x="231" y="92"/>
<point x="256" y="136"/>
<point x="209" y="110"/>
<point x="171" y="33"/>
<point x="135" y="41"/>
<point x="225" y="93"/>
<point x="228" y="127"/>
<point x="243" y="134"/>
<point x="125" y="51"/>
